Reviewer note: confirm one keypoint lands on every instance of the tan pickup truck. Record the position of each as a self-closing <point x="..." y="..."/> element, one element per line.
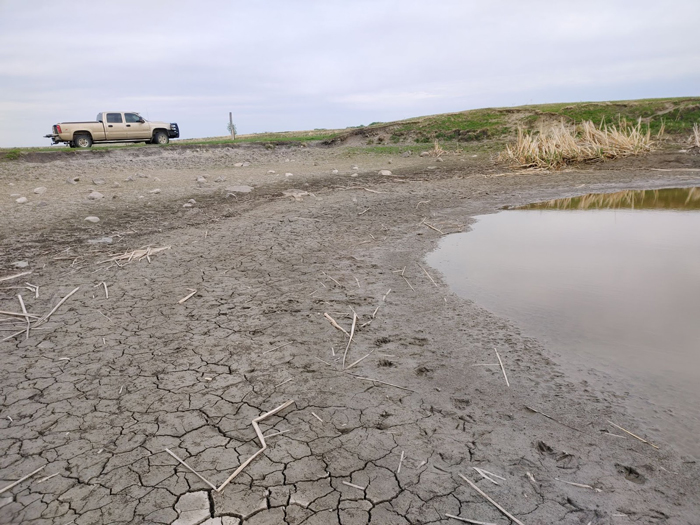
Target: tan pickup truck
<point x="113" y="126"/>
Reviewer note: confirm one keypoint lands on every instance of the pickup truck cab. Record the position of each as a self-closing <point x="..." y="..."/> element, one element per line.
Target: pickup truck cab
<point x="113" y="126"/>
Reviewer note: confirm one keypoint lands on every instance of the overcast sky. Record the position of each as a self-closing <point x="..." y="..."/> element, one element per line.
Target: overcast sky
<point x="290" y="65"/>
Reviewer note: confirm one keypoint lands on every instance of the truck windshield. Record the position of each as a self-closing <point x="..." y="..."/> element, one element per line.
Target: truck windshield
<point x="114" y="118"/>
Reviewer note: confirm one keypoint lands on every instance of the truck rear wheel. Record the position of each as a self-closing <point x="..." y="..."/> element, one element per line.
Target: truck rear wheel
<point x="82" y="140"/>
<point x="160" y="137"/>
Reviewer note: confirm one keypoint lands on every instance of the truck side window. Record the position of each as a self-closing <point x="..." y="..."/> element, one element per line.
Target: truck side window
<point x="132" y="117"/>
<point x="114" y="118"/>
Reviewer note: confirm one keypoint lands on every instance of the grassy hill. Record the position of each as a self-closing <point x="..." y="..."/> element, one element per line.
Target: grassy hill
<point x="488" y="128"/>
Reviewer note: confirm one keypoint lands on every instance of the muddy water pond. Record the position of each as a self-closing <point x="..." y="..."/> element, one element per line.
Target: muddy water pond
<point x="610" y="283"/>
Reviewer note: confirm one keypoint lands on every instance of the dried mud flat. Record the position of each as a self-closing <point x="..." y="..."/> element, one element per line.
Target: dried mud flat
<point x="96" y="394"/>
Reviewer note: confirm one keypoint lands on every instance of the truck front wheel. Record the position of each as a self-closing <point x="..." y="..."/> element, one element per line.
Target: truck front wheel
<point x="160" y="137"/>
<point x="82" y="140"/>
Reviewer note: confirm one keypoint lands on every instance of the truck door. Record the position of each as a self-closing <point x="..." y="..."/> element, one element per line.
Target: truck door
<point x="136" y="127"/>
<point x="115" y="127"/>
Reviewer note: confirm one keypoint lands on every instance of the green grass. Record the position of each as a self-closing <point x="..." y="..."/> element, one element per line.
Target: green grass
<point x="12" y="154"/>
<point x="676" y="114"/>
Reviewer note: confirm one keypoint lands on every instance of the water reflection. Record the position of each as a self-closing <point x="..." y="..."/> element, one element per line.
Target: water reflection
<point x="665" y="199"/>
<point x="612" y="284"/>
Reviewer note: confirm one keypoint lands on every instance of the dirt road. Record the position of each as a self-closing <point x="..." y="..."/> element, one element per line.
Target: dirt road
<point x="99" y="392"/>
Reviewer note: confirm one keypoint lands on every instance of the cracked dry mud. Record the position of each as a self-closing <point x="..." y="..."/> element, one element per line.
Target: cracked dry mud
<point x="100" y="391"/>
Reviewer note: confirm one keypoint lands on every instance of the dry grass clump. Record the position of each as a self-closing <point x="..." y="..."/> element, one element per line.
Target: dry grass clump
<point x="561" y="144"/>
<point x="695" y="137"/>
<point x="437" y="150"/>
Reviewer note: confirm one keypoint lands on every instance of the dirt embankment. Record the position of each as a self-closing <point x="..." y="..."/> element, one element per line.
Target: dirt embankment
<point x="100" y="391"/>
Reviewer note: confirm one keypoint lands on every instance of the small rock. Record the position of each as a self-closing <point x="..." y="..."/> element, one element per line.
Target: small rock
<point x="157" y="179"/>
<point x="187" y="205"/>
<point x="15" y="195"/>
<point x="220" y="179"/>
<point x="473" y="156"/>
<point x="238" y="165"/>
<point x="406" y="154"/>
<point x="334" y="172"/>
<point x="424" y="154"/>
<point x="98" y="182"/>
<point x="385" y="172"/>
<point x="354" y="175"/>
<point x="21" y="200"/>
<point x="20" y="264"/>
<point x="289" y="174"/>
<point x="155" y="192"/>
<point x="92" y="218"/>
<point x="143" y="175"/>
<point x="116" y="185"/>
<point x="296" y="194"/>
<point x="432" y="167"/>
<point x="246" y="164"/>
<point x="11" y="183"/>
<point x="192" y="201"/>
<point x="354" y="168"/>
<point x="390" y="162"/>
<point x="72" y="180"/>
<point x="240" y="189"/>
<point x="39" y="190"/>
<point x="201" y="179"/>
<point x="440" y="159"/>
<point x="271" y="172"/>
<point x="95" y="195"/>
<point x="130" y="178"/>
<point x="41" y="204"/>
<point x="101" y="240"/>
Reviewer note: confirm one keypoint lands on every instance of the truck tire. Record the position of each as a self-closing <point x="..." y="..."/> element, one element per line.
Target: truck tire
<point x="160" y="137"/>
<point x="82" y="140"/>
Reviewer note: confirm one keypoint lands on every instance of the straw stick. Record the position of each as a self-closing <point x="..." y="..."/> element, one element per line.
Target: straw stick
<point x="331" y="278"/>
<point x="580" y="485"/>
<point x="48" y="478"/>
<point x="14" y="335"/>
<point x="467" y="520"/>
<point x="373" y="191"/>
<point x="487" y="475"/>
<point x="18" y="314"/>
<point x="550" y="417"/>
<point x="285" y="381"/>
<point x="336" y="325"/>
<point x="46" y="317"/>
<point x="24" y="309"/>
<point x="400" y="462"/>
<point x="360" y="359"/>
<point x="10" y="277"/>
<point x="633" y="435"/>
<point x="502" y="368"/>
<point x="192" y="290"/>
<point x="429" y="277"/>
<point x="277" y="348"/>
<point x="316" y="416"/>
<point x="432" y="227"/>
<point x="20" y="480"/>
<point x="504" y="511"/>
<point x="358" y="487"/>
<point x="262" y="443"/>
<point x="387" y="293"/>
<point x="409" y="284"/>
<point x="106" y="291"/>
<point x="191" y="469"/>
<point x="352" y="333"/>
<point x="378" y="381"/>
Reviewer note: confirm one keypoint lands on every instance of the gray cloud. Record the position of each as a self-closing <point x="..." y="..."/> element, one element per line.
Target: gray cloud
<point x="309" y="64"/>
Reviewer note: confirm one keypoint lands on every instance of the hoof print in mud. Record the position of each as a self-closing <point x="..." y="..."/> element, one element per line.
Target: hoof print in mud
<point x="631" y="474"/>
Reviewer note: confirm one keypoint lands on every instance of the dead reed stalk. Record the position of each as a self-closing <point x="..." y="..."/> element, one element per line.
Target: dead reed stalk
<point x="562" y="144"/>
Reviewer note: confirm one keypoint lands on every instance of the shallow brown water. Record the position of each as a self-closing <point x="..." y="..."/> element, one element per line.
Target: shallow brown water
<point x="609" y="281"/>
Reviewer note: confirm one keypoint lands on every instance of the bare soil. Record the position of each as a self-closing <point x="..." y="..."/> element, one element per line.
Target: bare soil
<point x="100" y="391"/>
